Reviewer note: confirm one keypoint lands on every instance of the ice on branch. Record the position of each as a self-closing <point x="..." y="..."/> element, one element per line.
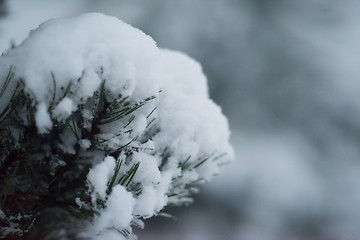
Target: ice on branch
<point x="117" y="127"/>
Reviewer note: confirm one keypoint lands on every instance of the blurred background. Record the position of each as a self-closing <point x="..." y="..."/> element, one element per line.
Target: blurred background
<point x="287" y="75"/>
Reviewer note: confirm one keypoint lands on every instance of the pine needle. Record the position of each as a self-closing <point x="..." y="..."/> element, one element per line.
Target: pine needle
<point x="129" y="175"/>
<point x="113" y="179"/>
<point x="7" y="81"/>
<point x="54" y="93"/>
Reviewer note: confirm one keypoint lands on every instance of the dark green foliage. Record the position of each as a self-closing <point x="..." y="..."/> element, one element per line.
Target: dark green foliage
<point x="41" y="173"/>
<point x="36" y="173"/>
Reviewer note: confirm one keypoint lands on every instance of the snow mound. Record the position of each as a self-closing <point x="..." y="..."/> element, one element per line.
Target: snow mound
<point x="85" y="50"/>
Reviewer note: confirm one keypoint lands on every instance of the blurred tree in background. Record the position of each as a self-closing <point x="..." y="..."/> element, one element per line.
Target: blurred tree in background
<point x="2" y="8"/>
<point x="286" y="73"/>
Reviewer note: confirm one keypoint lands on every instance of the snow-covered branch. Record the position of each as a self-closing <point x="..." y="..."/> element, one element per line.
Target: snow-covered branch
<point x="98" y="121"/>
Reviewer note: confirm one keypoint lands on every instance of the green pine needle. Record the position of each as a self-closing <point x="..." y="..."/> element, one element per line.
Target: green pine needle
<point x="129" y="175"/>
<point x="203" y="160"/>
<point x="101" y="101"/>
<point x="113" y="179"/>
<point x="8" y="78"/>
<point x="54" y="93"/>
<point x="67" y="90"/>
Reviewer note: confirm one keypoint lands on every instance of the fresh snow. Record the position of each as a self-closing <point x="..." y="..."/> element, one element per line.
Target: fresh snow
<point x="63" y="109"/>
<point x="99" y="176"/>
<point x="79" y="53"/>
<point x="118" y="213"/>
<point x="42" y="118"/>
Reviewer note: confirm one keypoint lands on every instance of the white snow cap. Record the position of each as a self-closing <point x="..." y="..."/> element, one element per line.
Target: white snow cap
<point x="80" y="53"/>
<point x="84" y="50"/>
<point x="193" y="125"/>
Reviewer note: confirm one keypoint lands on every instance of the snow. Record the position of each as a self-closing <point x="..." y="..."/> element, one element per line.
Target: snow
<point x="84" y="143"/>
<point x="148" y="172"/>
<point x="68" y="141"/>
<point x="100" y="175"/>
<point x="64" y="62"/>
<point x="110" y="235"/>
<point x="323" y="40"/>
<point x="155" y="185"/>
<point x="194" y="125"/>
<point x="163" y="188"/>
<point x="42" y="118"/>
<point x="119" y="210"/>
<point x="72" y="50"/>
<point x="146" y="202"/>
<point x="63" y="109"/>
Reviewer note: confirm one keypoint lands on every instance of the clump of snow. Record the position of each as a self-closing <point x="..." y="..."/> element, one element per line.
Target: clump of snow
<point x="84" y="50"/>
<point x="68" y="141"/>
<point x="193" y="124"/>
<point x="118" y="213"/>
<point x="88" y="117"/>
<point x="84" y="143"/>
<point x="148" y="172"/>
<point x="100" y="175"/>
<point x="146" y="202"/>
<point x="42" y="118"/>
<point x="93" y="81"/>
<point x="63" y="109"/>
<point x="169" y="143"/>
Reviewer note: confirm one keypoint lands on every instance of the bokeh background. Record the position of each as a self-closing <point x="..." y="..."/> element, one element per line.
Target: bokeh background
<point x="287" y="75"/>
